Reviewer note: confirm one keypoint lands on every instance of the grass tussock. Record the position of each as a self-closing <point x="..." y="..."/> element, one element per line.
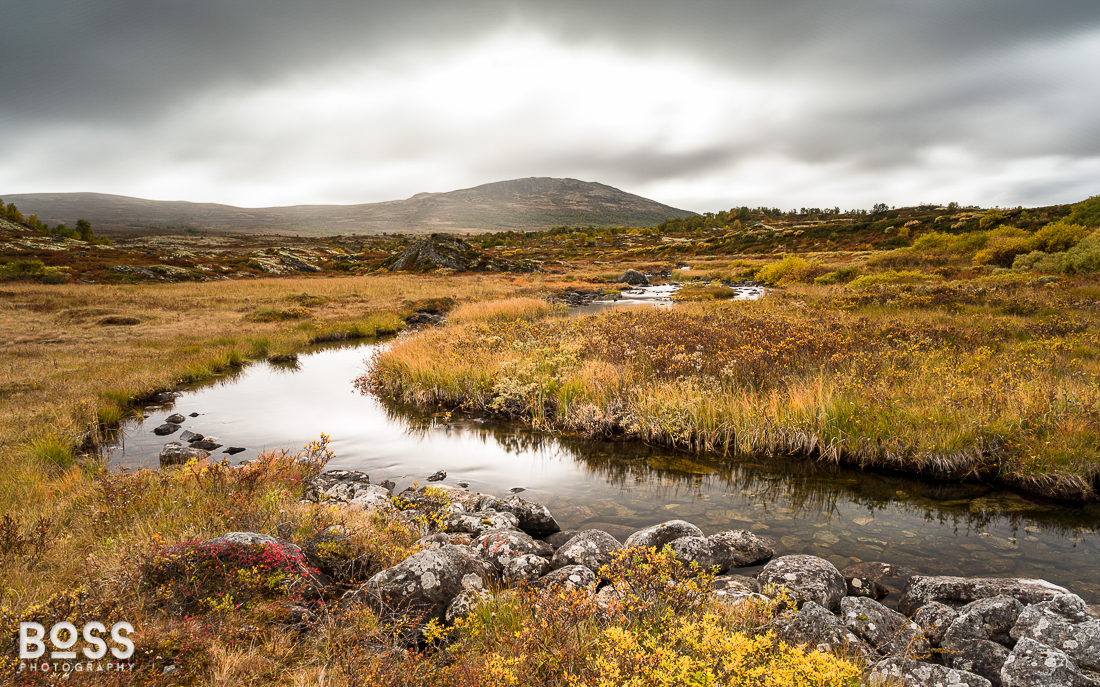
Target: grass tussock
<point x="508" y="310"/>
<point x="889" y="378"/>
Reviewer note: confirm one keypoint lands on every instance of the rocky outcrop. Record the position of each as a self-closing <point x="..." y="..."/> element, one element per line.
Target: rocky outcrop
<point x="958" y="591"/>
<point x="450" y="252"/>
<point x="633" y="278"/>
<point x="534" y="518"/>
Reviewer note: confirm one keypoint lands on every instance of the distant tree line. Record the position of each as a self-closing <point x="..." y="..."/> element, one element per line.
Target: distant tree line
<point x="83" y="230"/>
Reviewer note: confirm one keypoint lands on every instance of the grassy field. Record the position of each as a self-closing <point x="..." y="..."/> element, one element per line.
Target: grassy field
<point x="990" y="378"/>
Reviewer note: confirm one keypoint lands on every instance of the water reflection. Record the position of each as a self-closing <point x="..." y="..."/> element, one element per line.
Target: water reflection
<point x="840" y="513"/>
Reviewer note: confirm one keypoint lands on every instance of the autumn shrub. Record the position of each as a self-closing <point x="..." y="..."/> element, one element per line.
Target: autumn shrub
<point x="1058" y="237"/>
<point x="889" y="278"/>
<point x="791" y="269"/>
<point x="278" y="314"/>
<point x="218" y="575"/>
<point x="838" y="276"/>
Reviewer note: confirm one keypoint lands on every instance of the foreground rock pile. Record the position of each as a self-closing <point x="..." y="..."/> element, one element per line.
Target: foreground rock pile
<point x="946" y="631"/>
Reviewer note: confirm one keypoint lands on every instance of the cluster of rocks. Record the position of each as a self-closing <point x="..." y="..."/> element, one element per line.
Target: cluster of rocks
<point x="443" y="251"/>
<point x="197" y="445"/>
<point x="946" y="631"/>
<point x="582" y="297"/>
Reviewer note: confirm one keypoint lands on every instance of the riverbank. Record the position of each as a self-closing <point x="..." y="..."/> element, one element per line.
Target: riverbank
<point x="990" y="379"/>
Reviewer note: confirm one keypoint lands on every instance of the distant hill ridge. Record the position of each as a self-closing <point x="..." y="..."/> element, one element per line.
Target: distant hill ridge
<point x="519" y="204"/>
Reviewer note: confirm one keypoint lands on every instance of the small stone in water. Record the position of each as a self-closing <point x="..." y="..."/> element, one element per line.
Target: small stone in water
<point x="194" y="414"/>
<point x="463" y="484"/>
<point x="516" y="490"/>
<point x="438" y="477"/>
<point x="233" y="450"/>
<point x="175" y="418"/>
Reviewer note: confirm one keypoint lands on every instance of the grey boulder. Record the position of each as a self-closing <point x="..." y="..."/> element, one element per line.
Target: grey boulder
<point x="526" y="568"/>
<point x="1063" y="623"/>
<point x="820" y="630"/>
<point x="498" y="546"/>
<point x="569" y="577"/>
<point x="426" y="583"/>
<point x="166" y="429"/>
<point x="591" y="548"/>
<point x="806" y="578"/>
<point x="978" y="656"/>
<point x="888" y="631"/>
<point x="665" y="533"/>
<point x="479" y="522"/>
<point x="897" y="671"/>
<point x="1032" y="664"/>
<point x="991" y="619"/>
<point x="934" y="619"/>
<point x="175" y="453"/>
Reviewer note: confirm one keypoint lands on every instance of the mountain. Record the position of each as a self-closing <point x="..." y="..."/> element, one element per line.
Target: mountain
<point x="520" y="204"/>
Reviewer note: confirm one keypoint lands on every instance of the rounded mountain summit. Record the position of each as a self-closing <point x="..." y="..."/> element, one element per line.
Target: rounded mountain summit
<point x="520" y="204"/>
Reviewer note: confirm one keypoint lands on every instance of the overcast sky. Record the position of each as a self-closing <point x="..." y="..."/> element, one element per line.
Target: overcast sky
<point x="701" y="105"/>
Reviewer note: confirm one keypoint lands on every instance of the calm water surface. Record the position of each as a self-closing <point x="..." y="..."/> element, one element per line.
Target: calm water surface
<point x="842" y="514"/>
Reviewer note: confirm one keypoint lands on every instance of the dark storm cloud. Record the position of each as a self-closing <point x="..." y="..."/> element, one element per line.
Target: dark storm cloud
<point x="875" y="88"/>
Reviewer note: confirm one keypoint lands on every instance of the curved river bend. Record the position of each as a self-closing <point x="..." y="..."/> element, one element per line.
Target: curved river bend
<point x="842" y="514"/>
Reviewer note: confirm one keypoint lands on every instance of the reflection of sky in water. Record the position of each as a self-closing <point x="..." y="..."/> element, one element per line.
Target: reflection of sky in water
<point x="841" y="514"/>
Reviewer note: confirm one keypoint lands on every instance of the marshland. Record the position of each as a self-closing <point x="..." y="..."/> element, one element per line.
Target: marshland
<point x="942" y="354"/>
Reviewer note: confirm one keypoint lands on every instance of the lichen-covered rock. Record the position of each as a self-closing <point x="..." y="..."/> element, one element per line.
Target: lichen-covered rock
<point x="1032" y="664"/>
<point x="959" y="591"/>
<point x="337" y="485"/>
<point x="534" y="518"/>
<point x="888" y="631"/>
<point x="897" y="671"/>
<point x="373" y="498"/>
<point x="467" y="601"/>
<point x="479" y="522"/>
<point x="742" y="547"/>
<point x="569" y="577"/>
<point x="934" y="618"/>
<point x="820" y="630"/>
<point x="990" y="619"/>
<point x="735" y="582"/>
<point x="806" y="578"/>
<point x="500" y="545"/>
<point x="657" y="536"/>
<point x="1063" y="623"/>
<point x="175" y="453"/>
<point x="425" y="583"/>
<point x="526" y="568"/>
<point x="435" y="540"/>
<point x="978" y="656"/>
<point x="469" y="500"/>
<point x="591" y="548"/>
